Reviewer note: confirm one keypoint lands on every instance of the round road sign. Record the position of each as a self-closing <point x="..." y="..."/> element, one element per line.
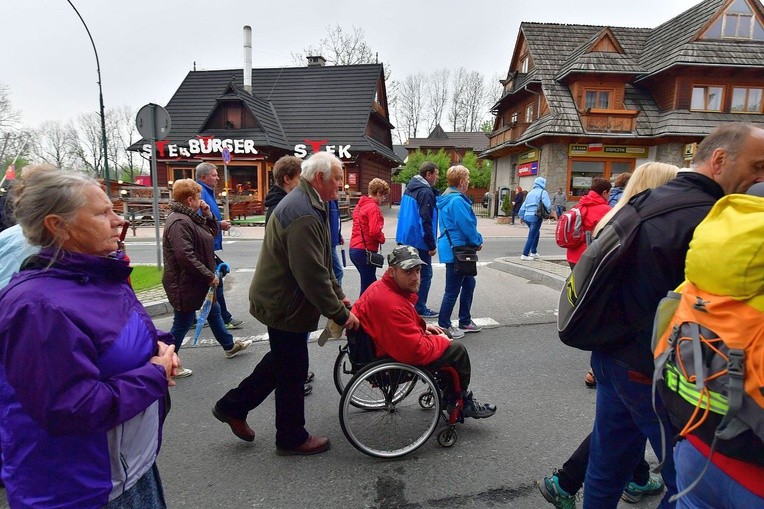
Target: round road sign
<point x="153" y="122"/>
<point x="226" y="155"/>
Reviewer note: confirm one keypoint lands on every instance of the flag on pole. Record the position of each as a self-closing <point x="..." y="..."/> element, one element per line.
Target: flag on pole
<point x="10" y="172"/>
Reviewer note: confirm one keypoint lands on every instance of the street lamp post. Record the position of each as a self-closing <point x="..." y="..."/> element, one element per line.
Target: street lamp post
<point x="100" y="99"/>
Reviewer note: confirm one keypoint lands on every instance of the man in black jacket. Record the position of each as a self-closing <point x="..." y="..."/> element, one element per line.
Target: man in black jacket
<point x="729" y="160"/>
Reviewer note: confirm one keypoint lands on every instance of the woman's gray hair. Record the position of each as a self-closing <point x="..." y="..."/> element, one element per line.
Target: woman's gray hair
<point x="319" y="162"/>
<point x="44" y="190"/>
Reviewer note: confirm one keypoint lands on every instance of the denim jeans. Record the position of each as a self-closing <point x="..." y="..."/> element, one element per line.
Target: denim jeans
<point x="716" y="489"/>
<point x="147" y="493"/>
<point x="624" y="417"/>
<point x="425" y="281"/>
<point x="534" y="227"/>
<point x="220" y="297"/>
<point x="560" y="209"/>
<point x="368" y="273"/>
<point x="457" y="285"/>
<point x="337" y="265"/>
<point x="282" y="370"/>
<point x="183" y="320"/>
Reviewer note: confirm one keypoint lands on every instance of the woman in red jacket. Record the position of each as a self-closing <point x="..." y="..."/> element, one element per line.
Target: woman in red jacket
<point x="593" y="207"/>
<point x="367" y="232"/>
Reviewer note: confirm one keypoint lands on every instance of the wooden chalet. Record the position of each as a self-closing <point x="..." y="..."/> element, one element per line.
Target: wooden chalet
<point x="582" y="101"/>
<point x="454" y="144"/>
<point x="285" y="111"/>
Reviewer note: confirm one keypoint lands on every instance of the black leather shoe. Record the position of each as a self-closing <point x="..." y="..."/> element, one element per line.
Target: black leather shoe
<point x="239" y="427"/>
<point x="313" y="445"/>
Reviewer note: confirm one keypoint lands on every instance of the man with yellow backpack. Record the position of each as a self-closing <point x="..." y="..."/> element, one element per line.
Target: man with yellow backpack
<point x="709" y="358"/>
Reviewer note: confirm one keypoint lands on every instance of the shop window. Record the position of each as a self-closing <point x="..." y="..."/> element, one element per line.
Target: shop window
<point x="706" y="98"/>
<point x="182" y="173"/>
<point x="583" y="172"/>
<point x="746" y="100"/>
<point x="597" y="99"/>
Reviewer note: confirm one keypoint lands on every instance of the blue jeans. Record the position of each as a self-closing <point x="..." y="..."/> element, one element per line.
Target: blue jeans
<point x="283" y="370"/>
<point x="337" y="265"/>
<point x="426" y="280"/>
<point x="624" y="417"/>
<point x="457" y="285"/>
<point x="534" y="226"/>
<point x="183" y="320"/>
<point x="716" y="489"/>
<point x="560" y="210"/>
<point x="220" y="297"/>
<point x="368" y="273"/>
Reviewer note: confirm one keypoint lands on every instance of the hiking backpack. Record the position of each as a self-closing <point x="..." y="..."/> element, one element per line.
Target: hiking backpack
<point x="586" y="318"/>
<point x="570" y="229"/>
<point x="708" y="337"/>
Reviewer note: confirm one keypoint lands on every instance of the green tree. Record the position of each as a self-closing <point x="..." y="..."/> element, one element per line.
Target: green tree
<point x="416" y="159"/>
<point x="480" y="171"/>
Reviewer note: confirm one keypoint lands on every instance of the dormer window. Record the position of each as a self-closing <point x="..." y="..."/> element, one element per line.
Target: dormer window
<point x="737" y="22"/>
<point x="706" y="98"/>
<point x="597" y="99"/>
<point x="524" y="64"/>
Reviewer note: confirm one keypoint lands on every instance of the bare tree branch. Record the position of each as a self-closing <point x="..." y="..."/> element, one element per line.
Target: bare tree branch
<point x="437" y="96"/>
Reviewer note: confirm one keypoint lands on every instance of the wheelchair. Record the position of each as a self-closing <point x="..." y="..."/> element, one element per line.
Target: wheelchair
<point x="389" y="409"/>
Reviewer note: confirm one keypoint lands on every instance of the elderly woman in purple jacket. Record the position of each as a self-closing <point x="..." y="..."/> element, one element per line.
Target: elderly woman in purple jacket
<point x="83" y="372"/>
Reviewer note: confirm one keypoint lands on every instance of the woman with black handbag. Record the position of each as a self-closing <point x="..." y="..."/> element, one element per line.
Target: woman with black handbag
<point x="367" y="234"/>
<point x="458" y="244"/>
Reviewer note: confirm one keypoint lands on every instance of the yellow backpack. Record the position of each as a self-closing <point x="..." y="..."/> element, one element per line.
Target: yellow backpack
<point x="708" y="337"/>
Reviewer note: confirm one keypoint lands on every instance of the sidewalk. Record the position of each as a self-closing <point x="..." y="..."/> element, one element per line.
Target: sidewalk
<point x="550" y="271"/>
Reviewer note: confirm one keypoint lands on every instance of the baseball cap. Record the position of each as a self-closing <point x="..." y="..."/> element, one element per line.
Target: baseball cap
<point x="757" y="189"/>
<point x="405" y="257"/>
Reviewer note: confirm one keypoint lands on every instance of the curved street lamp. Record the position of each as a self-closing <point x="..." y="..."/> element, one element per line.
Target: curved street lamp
<point x="100" y="98"/>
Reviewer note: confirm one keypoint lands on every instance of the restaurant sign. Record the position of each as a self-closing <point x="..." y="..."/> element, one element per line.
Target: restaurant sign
<point x="341" y="151"/>
<point x="202" y="145"/>
<point x="527" y="157"/>
<point x="608" y="151"/>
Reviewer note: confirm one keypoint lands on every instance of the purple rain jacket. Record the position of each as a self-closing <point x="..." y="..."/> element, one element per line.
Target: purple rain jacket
<point x="81" y="408"/>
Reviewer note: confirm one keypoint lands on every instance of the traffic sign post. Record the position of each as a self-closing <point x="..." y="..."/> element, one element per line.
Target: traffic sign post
<point x="153" y="123"/>
<point x="226" y="154"/>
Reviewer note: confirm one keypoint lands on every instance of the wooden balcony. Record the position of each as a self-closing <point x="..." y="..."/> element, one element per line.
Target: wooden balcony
<point x="609" y="121"/>
<point x="508" y="133"/>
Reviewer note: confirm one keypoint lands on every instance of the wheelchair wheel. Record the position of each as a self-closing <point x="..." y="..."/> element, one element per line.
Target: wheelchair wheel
<point x="447" y="437"/>
<point x="395" y="424"/>
<point x="343" y="369"/>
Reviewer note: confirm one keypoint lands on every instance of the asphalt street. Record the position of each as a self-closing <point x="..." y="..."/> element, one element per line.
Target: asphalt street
<point x="544" y="411"/>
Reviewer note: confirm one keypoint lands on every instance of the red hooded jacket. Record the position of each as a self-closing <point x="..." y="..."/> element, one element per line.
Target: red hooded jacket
<point x="593" y="208"/>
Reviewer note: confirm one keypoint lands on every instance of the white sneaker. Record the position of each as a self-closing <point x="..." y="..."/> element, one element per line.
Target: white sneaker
<point x="238" y="346"/>
<point x="535" y="255"/>
<point x="455" y="333"/>
<point x="183" y="373"/>
<point x="526" y="258"/>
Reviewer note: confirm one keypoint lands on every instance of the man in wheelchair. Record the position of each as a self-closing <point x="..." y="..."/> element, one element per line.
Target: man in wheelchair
<point x="386" y="311"/>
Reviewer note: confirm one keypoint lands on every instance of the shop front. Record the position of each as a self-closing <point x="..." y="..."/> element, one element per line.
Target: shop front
<point x="587" y="161"/>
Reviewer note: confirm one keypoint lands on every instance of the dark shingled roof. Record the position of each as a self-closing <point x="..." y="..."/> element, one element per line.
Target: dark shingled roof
<point x="290" y="104"/>
<point x="559" y="50"/>
<point x="475" y="141"/>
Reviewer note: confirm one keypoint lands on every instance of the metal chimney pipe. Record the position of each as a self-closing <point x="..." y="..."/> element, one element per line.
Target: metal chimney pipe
<point x="248" y="58"/>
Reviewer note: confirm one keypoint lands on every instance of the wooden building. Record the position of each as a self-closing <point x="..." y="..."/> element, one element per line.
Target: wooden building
<point x="582" y="101"/>
<point x="454" y="144"/>
<point x="281" y="111"/>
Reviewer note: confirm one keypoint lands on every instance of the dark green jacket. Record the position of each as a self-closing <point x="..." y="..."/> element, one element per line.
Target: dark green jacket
<point x="294" y="283"/>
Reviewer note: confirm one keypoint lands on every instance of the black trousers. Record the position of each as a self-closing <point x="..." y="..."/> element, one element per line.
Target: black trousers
<point x="571" y="475"/>
<point x="282" y="370"/>
<point x="457" y="357"/>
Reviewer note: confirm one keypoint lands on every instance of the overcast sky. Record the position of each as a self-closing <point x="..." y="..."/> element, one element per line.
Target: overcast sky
<point x="147" y="47"/>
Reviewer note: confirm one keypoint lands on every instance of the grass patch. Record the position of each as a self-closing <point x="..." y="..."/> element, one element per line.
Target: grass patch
<point x="144" y="277"/>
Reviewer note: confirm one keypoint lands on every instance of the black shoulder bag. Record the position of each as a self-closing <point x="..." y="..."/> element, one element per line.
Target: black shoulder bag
<point x="465" y="257"/>
<point x="372" y="258"/>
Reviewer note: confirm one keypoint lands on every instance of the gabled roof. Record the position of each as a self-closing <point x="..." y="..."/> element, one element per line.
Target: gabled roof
<point x="290" y="103"/>
<point x="438" y="138"/>
<point x="675" y="43"/>
<point x="560" y="50"/>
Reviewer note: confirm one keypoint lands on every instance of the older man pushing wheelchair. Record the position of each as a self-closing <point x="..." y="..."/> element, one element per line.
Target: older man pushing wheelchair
<point x="386" y="312"/>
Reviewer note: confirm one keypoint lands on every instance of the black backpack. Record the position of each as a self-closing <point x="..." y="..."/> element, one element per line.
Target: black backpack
<point x="586" y="318"/>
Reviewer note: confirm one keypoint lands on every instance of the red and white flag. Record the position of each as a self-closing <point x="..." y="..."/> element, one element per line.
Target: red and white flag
<point x="595" y="147"/>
